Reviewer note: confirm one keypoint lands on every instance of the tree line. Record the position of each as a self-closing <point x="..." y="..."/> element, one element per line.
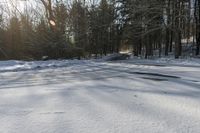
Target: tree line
<point x="63" y="29"/>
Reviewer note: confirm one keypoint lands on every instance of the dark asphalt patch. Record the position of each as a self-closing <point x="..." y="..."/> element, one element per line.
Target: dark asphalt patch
<point x="156" y="74"/>
<point x="154" y="79"/>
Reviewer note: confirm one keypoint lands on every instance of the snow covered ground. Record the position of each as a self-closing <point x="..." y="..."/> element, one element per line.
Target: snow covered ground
<point x="133" y="96"/>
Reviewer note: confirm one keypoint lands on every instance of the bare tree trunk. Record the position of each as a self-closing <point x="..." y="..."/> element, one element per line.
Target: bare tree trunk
<point x="49" y="12"/>
<point x="197" y="18"/>
<point x="167" y="41"/>
<point x="178" y="47"/>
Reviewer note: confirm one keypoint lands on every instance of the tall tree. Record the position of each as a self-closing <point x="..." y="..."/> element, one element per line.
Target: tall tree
<point x="79" y="21"/>
<point x="197" y="18"/>
<point x="13" y="39"/>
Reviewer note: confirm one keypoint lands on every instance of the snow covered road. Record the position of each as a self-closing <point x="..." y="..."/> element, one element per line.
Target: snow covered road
<point x="100" y="97"/>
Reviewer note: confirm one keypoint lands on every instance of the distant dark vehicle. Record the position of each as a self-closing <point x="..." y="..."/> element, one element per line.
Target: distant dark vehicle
<point x="117" y="56"/>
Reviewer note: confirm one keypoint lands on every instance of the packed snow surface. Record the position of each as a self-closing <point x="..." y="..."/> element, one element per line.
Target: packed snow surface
<point x="132" y="96"/>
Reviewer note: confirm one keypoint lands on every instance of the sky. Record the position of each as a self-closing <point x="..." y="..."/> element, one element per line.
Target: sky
<point x="8" y="7"/>
<point x="10" y="3"/>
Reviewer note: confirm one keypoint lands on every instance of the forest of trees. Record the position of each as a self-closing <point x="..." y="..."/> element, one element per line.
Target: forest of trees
<point x="86" y="28"/>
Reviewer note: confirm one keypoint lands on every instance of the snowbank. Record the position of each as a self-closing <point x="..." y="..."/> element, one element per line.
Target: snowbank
<point x="165" y="61"/>
<point x="190" y="61"/>
<point x="14" y="65"/>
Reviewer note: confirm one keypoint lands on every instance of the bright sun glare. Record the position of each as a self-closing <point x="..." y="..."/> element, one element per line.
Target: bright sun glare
<point x="52" y="23"/>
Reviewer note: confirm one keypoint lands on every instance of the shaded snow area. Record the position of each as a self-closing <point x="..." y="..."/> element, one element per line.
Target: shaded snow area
<point x="167" y="61"/>
<point x="129" y="96"/>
